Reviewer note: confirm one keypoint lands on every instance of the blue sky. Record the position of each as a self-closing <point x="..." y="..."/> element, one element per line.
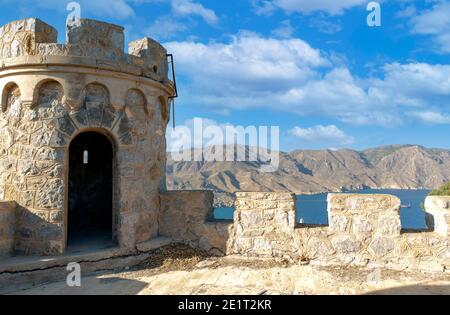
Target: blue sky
<point x="314" y="68"/>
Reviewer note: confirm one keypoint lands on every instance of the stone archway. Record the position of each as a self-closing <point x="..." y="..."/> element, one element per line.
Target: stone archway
<point x="90" y="196"/>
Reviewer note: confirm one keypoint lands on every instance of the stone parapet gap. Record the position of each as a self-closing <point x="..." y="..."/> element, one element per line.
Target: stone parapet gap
<point x="363" y="230"/>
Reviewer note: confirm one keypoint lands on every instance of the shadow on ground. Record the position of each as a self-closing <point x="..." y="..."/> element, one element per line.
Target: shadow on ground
<point x="90" y="286"/>
<point x="415" y="290"/>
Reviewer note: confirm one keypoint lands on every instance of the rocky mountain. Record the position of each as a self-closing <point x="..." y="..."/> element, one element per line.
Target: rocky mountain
<point x="313" y="171"/>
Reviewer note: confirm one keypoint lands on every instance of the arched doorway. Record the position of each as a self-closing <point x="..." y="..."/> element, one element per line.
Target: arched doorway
<point x="90" y="197"/>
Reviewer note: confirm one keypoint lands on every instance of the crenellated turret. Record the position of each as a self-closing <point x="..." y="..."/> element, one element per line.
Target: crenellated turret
<point x="96" y="44"/>
<point x="88" y="95"/>
<point x="21" y="38"/>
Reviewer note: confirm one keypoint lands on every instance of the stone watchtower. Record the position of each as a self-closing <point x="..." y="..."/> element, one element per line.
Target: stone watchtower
<point x="82" y="138"/>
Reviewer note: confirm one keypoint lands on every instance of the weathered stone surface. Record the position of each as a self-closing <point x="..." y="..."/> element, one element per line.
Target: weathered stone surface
<point x="389" y="225"/>
<point x="20" y="37"/>
<point x="361" y="225"/>
<point x="382" y="246"/>
<point x="358" y="237"/>
<point x="7" y="227"/>
<point x="345" y="244"/>
<point x="53" y="92"/>
<point x="97" y="39"/>
<point x="319" y="248"/>
<point x="339" y="223"/>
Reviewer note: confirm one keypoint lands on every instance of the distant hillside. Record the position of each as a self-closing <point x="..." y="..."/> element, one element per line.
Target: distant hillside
<point x="312" y="171"/>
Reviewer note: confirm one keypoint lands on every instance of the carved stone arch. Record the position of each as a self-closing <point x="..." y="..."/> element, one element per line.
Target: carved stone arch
<point x="48" y="99"/>
<point x="10" y="94"/>
<point x="95" y="93"/>
<point x="135" y="117"/>
<point x="46" y="86"/>
<point x="136" y="98"/>
<point x="95" y="100"/>
<point x="164" y="108"/>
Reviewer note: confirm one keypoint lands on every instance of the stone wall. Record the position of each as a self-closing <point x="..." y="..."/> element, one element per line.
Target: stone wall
<point x="7" y="227"/>
<point x="20" y="38"/>
<point x="363" y="230"/>
<point x="186" y="216"/>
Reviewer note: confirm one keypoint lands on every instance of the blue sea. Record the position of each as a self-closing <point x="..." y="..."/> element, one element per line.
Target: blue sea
<point x="312" y="209"/>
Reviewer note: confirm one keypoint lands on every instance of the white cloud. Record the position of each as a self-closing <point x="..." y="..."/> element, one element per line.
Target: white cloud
<point x="323" y="134"/>
<point x="324" y="25"/>
<point x="436" y="23"/>
<point x="189" y="7"/>
<point x="332" y="7"/>
<point x="178" y="20"/>
<point x="165" y="27"/>
<point x="248" y="62"/>
<point x="431" y="117"/>
<point x="285" y="30"/>
<point x="289" y="75"/>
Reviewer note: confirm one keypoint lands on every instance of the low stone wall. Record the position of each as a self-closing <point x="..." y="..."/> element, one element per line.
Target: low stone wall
<point x="363" y="230"/>
<point x="7" y="227"/>
<point x="187" y="217"/>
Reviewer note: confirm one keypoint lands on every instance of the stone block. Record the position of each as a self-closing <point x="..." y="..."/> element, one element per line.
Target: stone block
<point x="361" y="225"/>
<point x="21" y="37"/>
<point x="345" y="244"/>
<point x="339" y="223"/>
<point x="437" y="210"/>
<point x="381" y="246"/>
<point x="389" y="225"/>
<point x="97" y="39"/>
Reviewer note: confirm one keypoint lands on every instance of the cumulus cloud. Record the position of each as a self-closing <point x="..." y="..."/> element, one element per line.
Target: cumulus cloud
<point x="285" y="30"/>
<point x="179" y="19"/>
<point x="323" y="134"/>
<point x="436" y="23"/>
<point x="165" y="27"/>
<point x="289" y="75"/>
<point x="431" y="117"/>
<point x="233" y="68"/>
<point x="189" y="7"/>
<point x="332" y="7"/>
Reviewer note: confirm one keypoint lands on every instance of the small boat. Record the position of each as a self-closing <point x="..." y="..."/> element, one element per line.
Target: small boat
<point x="405" y="206"/>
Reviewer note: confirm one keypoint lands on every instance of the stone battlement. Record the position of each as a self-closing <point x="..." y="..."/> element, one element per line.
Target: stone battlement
<point x="92" y="44"/>
<point x="363" y="230"/>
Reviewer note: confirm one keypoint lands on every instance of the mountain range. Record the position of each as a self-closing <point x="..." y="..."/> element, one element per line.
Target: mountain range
<point x="315" y="171"/>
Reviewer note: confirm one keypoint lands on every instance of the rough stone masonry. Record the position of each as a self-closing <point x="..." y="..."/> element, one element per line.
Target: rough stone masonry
<point x="51" y="93"/>
<point x="363" y="230"/>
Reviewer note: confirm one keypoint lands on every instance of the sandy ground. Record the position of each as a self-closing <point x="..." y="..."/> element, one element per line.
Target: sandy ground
<point x="181" y="270"/>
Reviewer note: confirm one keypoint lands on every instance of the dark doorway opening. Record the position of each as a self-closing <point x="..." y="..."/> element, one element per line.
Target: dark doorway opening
<point x="90" y="190"/>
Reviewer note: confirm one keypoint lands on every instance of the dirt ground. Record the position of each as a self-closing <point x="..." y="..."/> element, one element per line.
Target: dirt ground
<point x="177" y="269"/>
